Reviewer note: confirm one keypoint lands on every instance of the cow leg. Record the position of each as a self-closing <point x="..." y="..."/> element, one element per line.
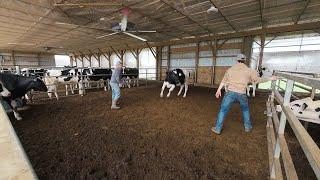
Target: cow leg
<point x="67" y="92"/>
<point x="170" y="90"/>
<point x="108" y="84"/>
<point x="50" y="95"/>
<point x="185" y="89"/>
<point x="254" y="87"/>
<point x="162" y="89"/>
<point x="71" y="88"/>
<point x="56" y="92"/>
<point x="137" y="82"/>
<point x="181" y="88"/>
<point x="14" y="106"/>
<point x="248" y="90"/>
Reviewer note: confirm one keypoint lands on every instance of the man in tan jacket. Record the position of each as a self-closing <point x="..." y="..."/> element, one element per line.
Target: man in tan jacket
<point x="236" y="80"/>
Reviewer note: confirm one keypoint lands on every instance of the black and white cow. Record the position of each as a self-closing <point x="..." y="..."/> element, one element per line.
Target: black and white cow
<point x="305" y="108"/>
<point x="129" y="76"/>
<point x="101" y="76"/>
<point x="176" y="77"/>
<point x="14" y="87"/>
<point x="260" y="72"/>
<point x="69" y="77"/>
<point x="33" y="72"/>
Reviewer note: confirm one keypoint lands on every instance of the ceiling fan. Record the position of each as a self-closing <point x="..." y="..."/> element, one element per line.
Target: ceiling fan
<point x="126" y="27"/>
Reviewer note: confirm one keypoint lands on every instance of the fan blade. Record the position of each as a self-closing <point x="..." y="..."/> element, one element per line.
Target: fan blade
<point x="107" y="35"/>
<point x="147" y="31"/>
<point x="134" y="36"/>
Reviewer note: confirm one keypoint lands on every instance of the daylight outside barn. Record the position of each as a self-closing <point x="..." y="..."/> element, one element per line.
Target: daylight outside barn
<point x="159" y="89"/>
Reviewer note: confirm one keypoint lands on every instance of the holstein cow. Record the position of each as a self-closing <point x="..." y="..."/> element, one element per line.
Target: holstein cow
<point x="130" y="75"/>
<point x="14" y="87"/>
<point x="69" y="77"/>
<point x="101" y="76"/>
<point x="305" y="108"/>
<point x="176" y="77"/>
<point x="260" y="72"/>
<point x="52" y="85"/>
<point x="33" y="72"/>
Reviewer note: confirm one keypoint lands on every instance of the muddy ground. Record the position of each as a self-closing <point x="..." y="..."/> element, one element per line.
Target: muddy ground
<point x="149" y="138"/>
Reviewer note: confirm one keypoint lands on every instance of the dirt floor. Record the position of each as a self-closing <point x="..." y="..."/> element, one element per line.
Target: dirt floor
<point x="149" y="138"/>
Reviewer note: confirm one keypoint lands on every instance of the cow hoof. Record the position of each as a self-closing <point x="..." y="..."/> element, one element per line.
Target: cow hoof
<point x="184" y="96"/>
<point x="19" y="118"/>
<point x="161" y="95"/>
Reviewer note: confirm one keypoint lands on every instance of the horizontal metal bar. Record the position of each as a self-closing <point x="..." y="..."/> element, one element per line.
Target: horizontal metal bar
<point x="309" y="81"/>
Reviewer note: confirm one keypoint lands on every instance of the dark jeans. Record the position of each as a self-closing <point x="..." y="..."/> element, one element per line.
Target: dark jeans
<point x="229" y="98"/>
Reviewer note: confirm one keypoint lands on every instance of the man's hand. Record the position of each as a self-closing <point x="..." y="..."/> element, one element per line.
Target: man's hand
<point x="273" y="78"/>
<point x="218" y="93"/>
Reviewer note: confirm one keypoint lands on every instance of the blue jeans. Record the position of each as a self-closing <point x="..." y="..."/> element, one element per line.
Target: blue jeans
<point x="115" y="91"/>
<point x="229" y="98"/>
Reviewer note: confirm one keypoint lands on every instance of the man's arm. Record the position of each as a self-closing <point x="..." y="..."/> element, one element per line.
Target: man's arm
<point x="256" y="79"/>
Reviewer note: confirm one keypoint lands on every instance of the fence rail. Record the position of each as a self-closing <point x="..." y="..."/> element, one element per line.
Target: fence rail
<point x="275" y="128"/>
<point x="14" y="163"/>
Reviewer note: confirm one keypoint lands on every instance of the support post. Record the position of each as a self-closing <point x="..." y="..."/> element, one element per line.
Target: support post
<point x="282" y="124"/>
<point x="197" y="62"/>
<point x="13" y="58"/>
<point x="168" y="58"/>
<point x="263" y="39"/>
<point x="38" y="59"/>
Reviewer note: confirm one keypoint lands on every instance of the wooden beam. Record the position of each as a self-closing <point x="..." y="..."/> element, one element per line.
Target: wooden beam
<point x="302" y="12"/>
<point x="119" y="56"/>
<point x="225" y="18"/>
<point x="186" y="15"/>
<point x="152" y="51"/>
<point x="261" y="5"/>
<point x="162" y="22"/>
<point x="108" y="58"/>
<point x="267" y="30"/>
<point x="93" y="54"/>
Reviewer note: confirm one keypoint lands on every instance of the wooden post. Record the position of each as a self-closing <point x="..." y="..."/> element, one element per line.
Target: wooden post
<point x="99" y="59"/>
<point x="82" y="61"/>
<point x="214" y="48"/>
<point x="197" y="62"/>
<point x="138" y="57"/>
<point x="38" y="59"/>
<point x="71" y="60"/>
<point x="76" y="60"/>
<point x="109" y="55"/>
<point x="263" y="39"/>
<point x="90" y="63"/>
<point x="282" y="125"/>
<point x="13" y="58"/>
<point x="159" y="57"/>
<point x="168" y="58"/>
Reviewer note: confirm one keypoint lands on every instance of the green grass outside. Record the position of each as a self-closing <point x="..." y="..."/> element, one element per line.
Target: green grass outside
<point x="267" y="85"/>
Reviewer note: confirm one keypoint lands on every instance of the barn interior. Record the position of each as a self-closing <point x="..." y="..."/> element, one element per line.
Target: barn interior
<point x="202" y="36"/>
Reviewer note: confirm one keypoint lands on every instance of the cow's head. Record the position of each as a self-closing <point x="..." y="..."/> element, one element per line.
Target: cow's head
<point x="4" y="91"/>
<point x="39" y="85"/>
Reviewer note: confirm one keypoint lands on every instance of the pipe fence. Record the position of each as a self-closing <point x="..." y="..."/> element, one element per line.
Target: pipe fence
<point x="277" y="144"/>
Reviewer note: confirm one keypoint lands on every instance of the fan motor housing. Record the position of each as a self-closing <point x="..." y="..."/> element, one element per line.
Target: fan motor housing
<point x="117" y="26"/>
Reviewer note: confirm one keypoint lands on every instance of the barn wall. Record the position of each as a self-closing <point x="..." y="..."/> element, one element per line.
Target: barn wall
<point x="26" y="60"/>
<point x="206" y="63"/>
